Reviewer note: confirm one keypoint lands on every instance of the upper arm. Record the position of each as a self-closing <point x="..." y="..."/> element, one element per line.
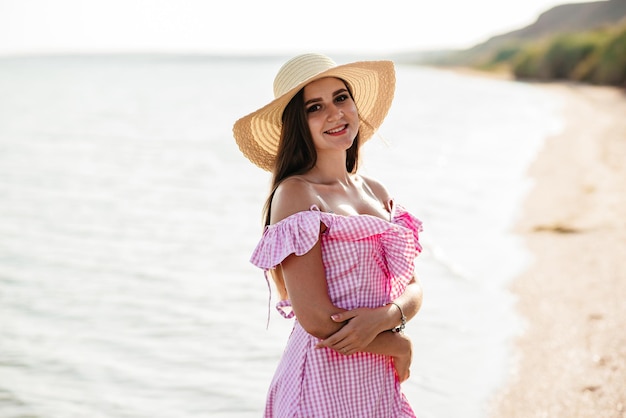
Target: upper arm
<point x="291" y="196"/>
<point x="306" y="285"/>
<point x="304" y="275"/>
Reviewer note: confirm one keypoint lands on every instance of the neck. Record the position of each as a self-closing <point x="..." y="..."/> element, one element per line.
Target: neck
<point x="330" y="169"/>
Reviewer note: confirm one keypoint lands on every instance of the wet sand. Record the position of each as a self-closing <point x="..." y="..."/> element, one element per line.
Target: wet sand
<point x="570" y="361"/>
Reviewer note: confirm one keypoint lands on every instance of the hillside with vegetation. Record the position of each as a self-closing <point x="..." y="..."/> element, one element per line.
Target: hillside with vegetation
<point x="583" y="42"/>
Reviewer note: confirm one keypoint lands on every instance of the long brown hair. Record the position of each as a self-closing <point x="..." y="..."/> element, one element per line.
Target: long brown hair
<point x="296" y="152"/>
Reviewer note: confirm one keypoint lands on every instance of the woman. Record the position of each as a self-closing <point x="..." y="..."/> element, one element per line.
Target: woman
<point x="339" y="249"/>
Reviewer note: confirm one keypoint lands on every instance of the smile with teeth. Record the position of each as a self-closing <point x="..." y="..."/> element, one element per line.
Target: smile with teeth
<point x="337" y="130"/>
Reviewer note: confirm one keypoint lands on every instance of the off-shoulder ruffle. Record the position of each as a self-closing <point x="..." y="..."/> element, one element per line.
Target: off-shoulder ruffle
<point x="404" y="218"/>
<point x="298" y="233"/>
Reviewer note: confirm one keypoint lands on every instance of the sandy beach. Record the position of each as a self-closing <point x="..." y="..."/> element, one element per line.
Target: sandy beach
<point x="570" y="360"/>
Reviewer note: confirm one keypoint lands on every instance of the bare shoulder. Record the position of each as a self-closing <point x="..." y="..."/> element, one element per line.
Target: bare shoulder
<point x="292" y="195"/>
<point x="377" y="188"/>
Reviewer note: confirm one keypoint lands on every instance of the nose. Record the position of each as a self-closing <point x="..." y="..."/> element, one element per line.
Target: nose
<point x="335" y="112"/>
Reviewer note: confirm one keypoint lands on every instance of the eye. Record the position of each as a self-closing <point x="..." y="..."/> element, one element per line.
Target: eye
<point x="342" y="98"/>
<point x="313" y="108"/>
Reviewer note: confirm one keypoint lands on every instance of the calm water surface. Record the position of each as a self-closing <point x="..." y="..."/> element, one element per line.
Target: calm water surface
<point x="127" y="217"/>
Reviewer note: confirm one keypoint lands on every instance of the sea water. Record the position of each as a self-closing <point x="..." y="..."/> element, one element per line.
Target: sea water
<point x="128" y="215"/>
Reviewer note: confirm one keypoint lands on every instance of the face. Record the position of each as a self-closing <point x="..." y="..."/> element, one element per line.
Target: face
<point x="331" y="114"/>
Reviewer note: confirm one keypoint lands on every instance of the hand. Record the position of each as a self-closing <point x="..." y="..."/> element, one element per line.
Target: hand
<point x="363" y="325"/>
<point x="402" y="362"/>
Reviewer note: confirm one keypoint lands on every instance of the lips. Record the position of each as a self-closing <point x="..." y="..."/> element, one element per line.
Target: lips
<point x="336" y="130"/>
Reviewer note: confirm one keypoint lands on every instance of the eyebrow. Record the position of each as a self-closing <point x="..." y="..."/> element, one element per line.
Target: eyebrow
<point x="319" y="99"/>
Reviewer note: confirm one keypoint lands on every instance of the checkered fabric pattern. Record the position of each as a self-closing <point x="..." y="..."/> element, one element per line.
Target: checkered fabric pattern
<point x="368" y="262"/>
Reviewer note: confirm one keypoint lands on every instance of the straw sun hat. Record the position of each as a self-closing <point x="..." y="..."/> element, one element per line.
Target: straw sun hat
<point x="372" y="83"/>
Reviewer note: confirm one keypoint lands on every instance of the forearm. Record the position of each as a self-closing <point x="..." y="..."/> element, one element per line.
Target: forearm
<point x="397" y="346"/>
<point x="410" y="300"/>
<point x="320" y="324"/>
<point x="390" y="343"/>
<point x="359" y="327"/>
<point x="324" y="325"/>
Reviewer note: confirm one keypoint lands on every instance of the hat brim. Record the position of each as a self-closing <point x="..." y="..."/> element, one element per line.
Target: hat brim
<point x="372" y="84"/>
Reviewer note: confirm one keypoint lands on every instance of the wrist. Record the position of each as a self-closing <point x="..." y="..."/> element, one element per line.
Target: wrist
<point x="399" y="323"/>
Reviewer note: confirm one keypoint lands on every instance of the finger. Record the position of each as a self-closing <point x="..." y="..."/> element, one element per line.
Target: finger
<point x="330" y="342"/>
<point x="343" y="316"/>
<point x="338" y="339"/>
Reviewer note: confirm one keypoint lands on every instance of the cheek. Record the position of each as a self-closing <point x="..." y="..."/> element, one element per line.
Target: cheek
<point x="352" y="111"/>
<point x="354" y="114"/>
<point x="314" y="122"/>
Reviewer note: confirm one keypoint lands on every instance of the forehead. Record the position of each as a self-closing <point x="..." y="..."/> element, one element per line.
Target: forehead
<point x="323" y="86"/>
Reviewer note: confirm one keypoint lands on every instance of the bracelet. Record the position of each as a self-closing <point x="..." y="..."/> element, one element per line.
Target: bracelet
<point x="400" y="327"/>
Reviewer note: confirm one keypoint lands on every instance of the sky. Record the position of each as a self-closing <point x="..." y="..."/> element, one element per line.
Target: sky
<point x="257" y="26"/>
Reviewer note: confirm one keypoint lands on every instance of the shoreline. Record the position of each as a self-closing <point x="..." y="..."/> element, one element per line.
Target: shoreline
<point x="570" y="360"/>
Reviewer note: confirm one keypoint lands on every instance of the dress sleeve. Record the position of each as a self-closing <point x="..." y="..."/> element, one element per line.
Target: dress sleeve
<point x="296" y="234"/>
<point x="401" y="248"/>
<point x="404" y="218"/>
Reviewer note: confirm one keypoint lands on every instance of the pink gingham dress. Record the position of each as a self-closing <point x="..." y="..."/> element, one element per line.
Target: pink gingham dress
<point x="368" y="262"/>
